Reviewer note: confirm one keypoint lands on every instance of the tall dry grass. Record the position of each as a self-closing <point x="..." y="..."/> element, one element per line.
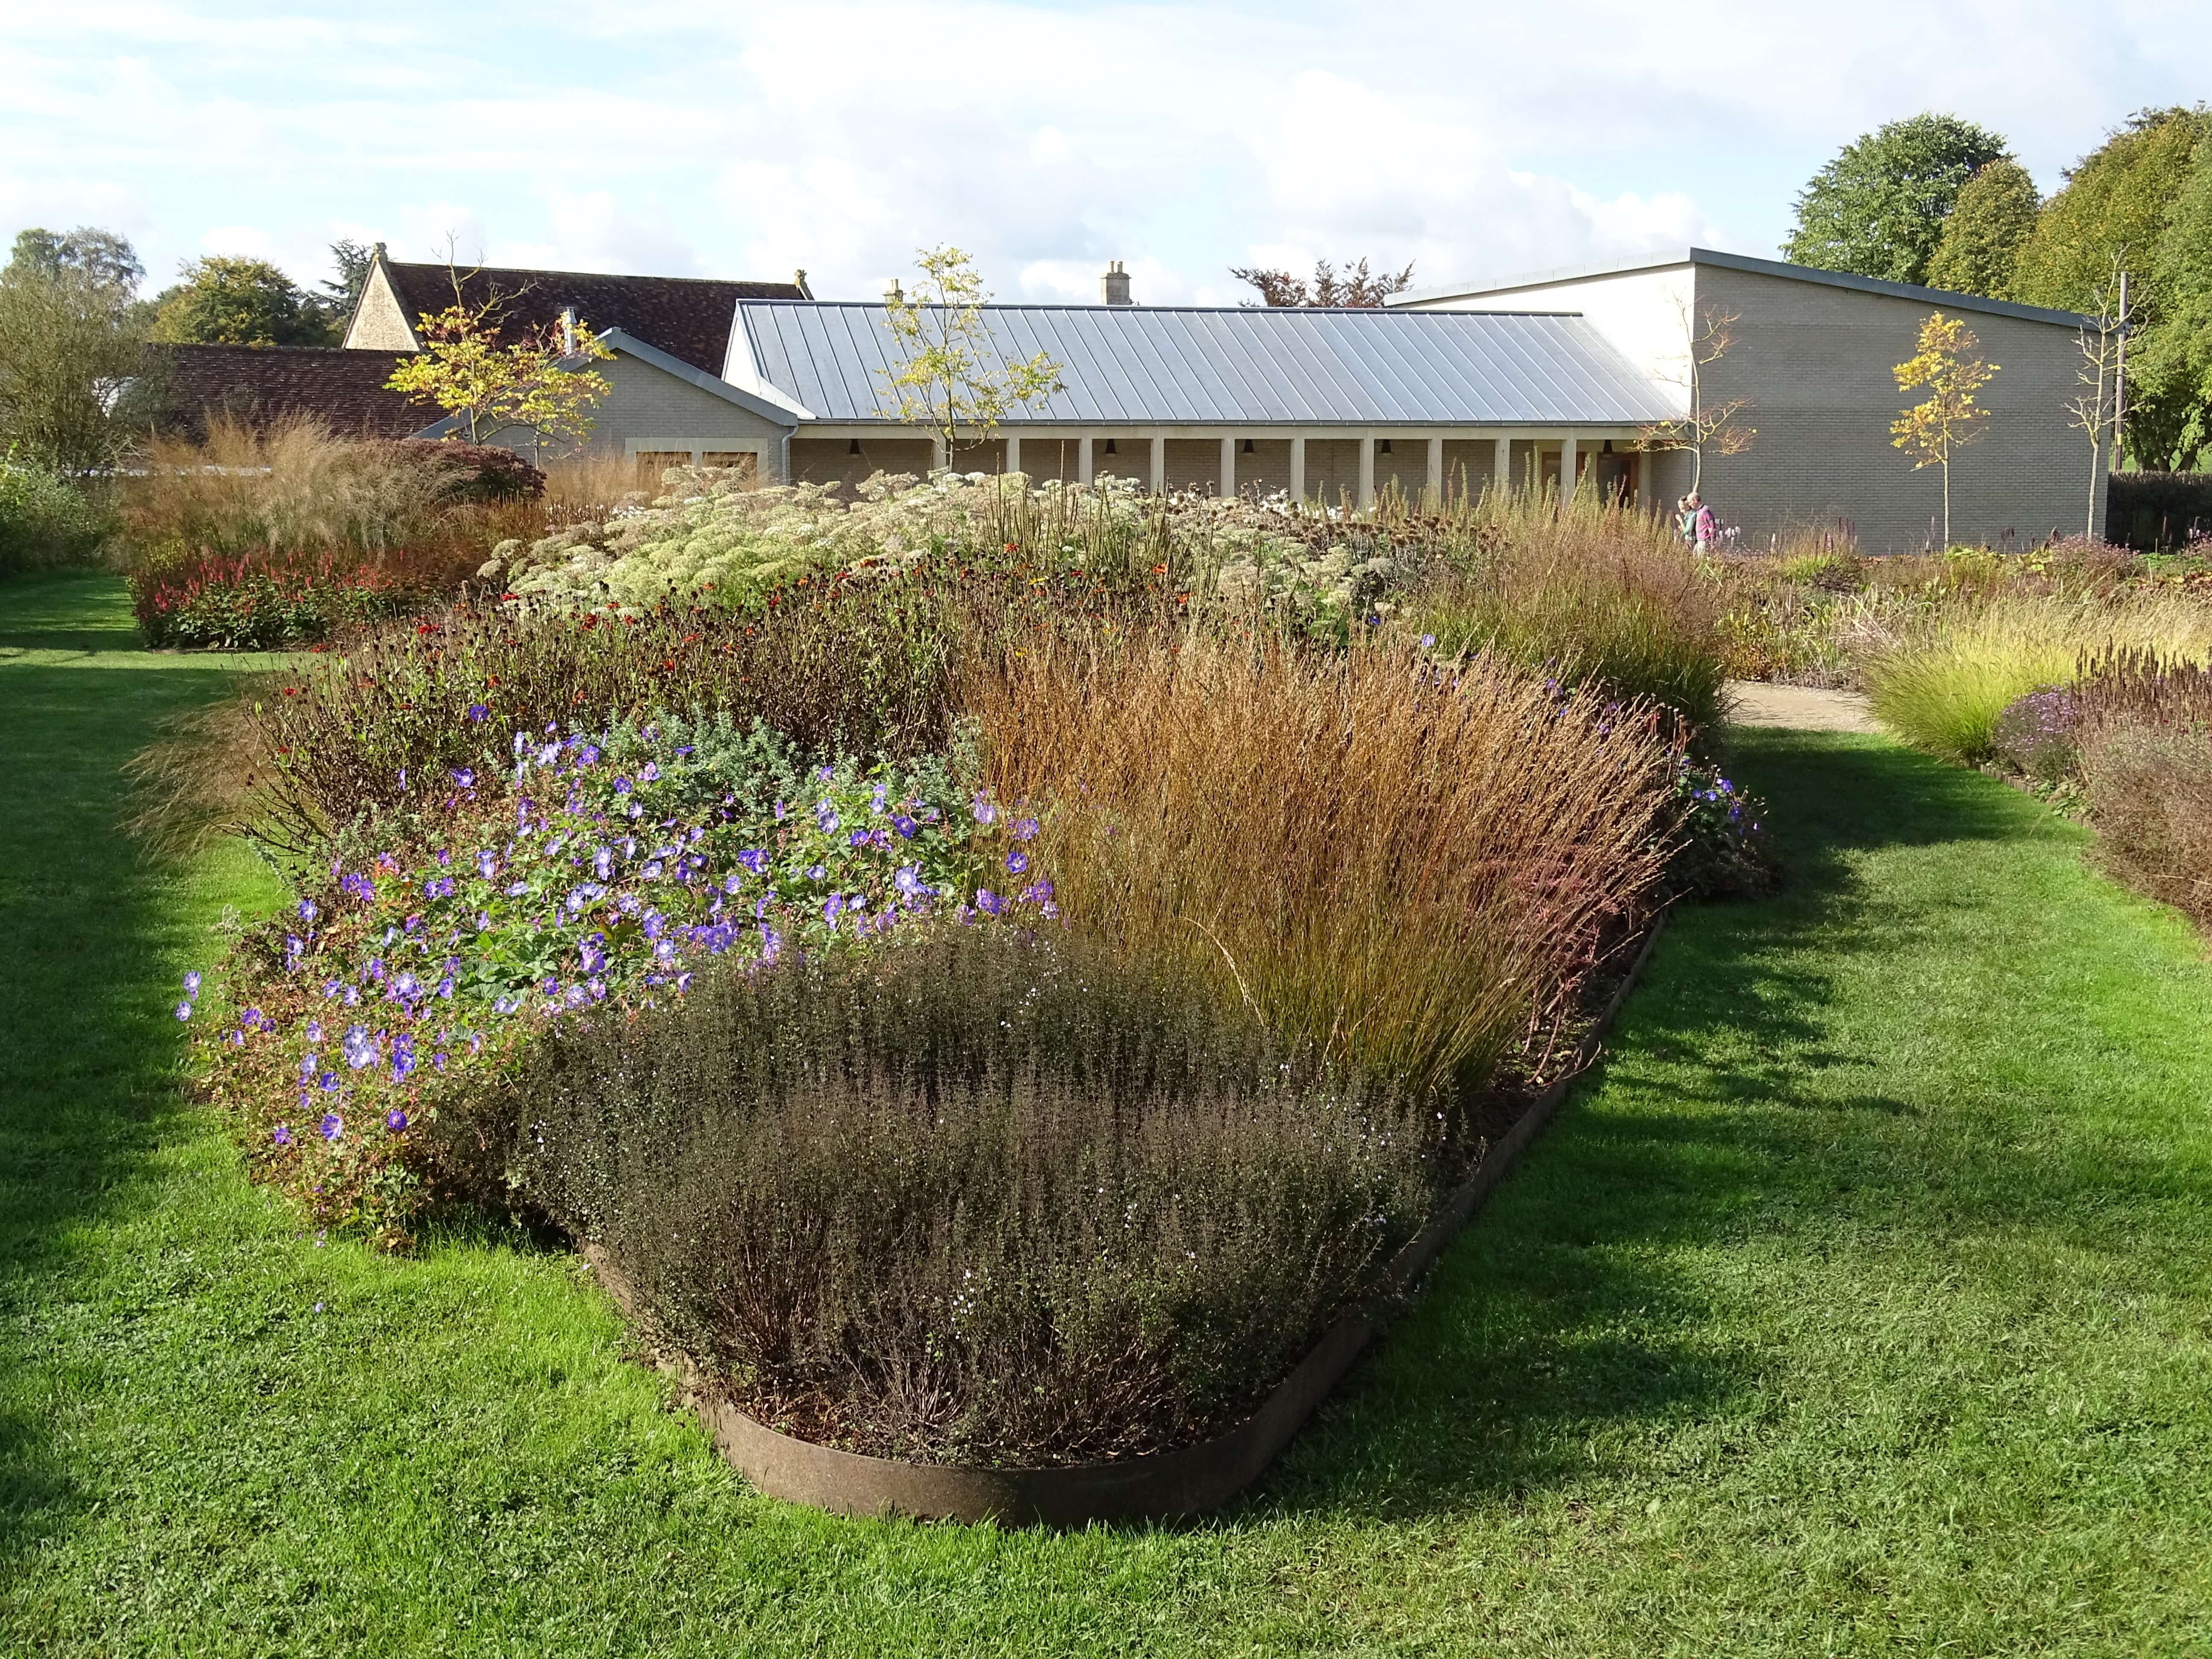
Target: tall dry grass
<point x="1586" y="591"/>
<point x="1408" y="868"/>
<point x="289" y="487"/>
<point x="1943" y="686"/>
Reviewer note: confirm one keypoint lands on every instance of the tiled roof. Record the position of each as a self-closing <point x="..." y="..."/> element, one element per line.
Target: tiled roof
<point x="1159" y="365"/>
<point x="261" y="383"/>
<point x="687" y="316"/>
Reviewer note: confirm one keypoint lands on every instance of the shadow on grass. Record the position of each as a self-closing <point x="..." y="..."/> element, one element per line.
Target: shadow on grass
<point x="88" y="939"/>
<point x="1558" y="1316"/>
<point x="72" y="610"/>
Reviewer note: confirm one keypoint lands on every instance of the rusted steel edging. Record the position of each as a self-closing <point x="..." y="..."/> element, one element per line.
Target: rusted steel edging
<point x="1184" y="1481"/>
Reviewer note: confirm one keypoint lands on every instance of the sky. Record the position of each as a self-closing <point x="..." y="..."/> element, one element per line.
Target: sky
<point x="736" y="140"/>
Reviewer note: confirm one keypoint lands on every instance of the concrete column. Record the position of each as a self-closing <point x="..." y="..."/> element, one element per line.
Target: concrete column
<point x="938" y="457"/>
<point x="1159" y="466"/>
<point x="1501" y="463"/>
<point x="1436" y="472"/>
<point x="1229" y="469"/>
<point x="1567" y="467"/>
<point x="1083" y="460"/>
<point x="1297" y="471"/>
<point x="1013" y="452"/>
<point x="1367" y="474"/>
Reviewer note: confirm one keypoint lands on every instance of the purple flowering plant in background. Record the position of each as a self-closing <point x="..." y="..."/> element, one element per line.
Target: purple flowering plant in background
<point x="577" y="870"/>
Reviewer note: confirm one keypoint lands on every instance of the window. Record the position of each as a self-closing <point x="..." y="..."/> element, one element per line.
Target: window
<point x="652" y="463"/>
<point x="736" y="460"/>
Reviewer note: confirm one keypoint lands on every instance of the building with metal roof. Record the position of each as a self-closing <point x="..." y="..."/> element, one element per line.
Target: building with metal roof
<point x="1309" y="401"/>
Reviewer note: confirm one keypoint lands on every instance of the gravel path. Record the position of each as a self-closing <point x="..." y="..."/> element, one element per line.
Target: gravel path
<point x="1754" y="703"/>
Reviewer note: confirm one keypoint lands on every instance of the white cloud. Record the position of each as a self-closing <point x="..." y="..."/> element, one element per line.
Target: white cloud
<point x="746" y="139"/>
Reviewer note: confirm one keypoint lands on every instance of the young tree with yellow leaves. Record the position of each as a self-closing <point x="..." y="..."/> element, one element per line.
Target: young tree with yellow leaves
<point x="491" y="378"/>
<point x="950" y="379"/>
<point x="1950" y="419"/>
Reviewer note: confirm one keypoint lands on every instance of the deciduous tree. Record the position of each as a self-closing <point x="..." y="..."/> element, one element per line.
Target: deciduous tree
<point x="950" y="376"/>
<point x="491" y="376"/>
<point x="1949" y="419"/>
<point x="1355" y="289"/>
<point x="71" y="335"/>
<point x="1989" y="224"/>
<point x="226" y="300"/>
<point x="1878" y="209"/>
<point x="1717" y="426"/>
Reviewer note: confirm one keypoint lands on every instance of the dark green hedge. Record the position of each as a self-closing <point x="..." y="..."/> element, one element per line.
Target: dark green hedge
<point x="2156" y="512"/>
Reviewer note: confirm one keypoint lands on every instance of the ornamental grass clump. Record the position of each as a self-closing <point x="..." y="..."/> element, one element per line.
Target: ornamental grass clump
<point x="983" y="1195"/>
<point x="1583" y="592"/>
<point x="1407" y="866"/>
<point x="1944" y="687"/>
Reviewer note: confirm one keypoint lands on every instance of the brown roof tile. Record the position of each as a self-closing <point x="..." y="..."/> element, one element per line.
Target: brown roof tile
<point x="262" y="383"/>
<point x="687" y="316"/>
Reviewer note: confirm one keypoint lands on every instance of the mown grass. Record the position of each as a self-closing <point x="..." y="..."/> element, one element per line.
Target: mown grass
<point x="1861" y="1306"/>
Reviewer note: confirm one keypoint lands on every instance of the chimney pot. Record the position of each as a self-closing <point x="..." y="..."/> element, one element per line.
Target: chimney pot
<point x="1116" y="284"/>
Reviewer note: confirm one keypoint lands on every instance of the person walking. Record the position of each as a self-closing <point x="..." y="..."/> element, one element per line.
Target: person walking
<point x="1698" y="526"/>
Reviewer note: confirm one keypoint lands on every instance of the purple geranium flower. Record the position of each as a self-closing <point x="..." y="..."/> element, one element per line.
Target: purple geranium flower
<point x="1017" y="861"/>
<point x="905" y="825"/>
<point x="988" y="902"/>
<point x="395" y="1120"/>
<point x="192" y="983"/>
<point x="476" y="711"/>
<point x="280" y="1135"/>
<point x="333" y="1126"/>
<point x="184" y="1010"/>
<point x="755" y="860"/>
<point x="1024" y="828"/>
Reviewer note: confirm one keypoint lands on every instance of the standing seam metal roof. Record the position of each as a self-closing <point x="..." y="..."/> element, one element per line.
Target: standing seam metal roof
<point x="1176" y="366"/>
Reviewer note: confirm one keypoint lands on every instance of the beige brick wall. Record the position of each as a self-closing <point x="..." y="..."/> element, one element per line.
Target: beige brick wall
<point x="829" y="461"/>
<point x="380" y="325"/>
<point x="646" y="408"/>
<point x="1816" y="363"/>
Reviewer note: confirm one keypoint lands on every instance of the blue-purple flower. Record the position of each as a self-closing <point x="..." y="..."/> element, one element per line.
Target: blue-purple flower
<point x="333" y="1126"/>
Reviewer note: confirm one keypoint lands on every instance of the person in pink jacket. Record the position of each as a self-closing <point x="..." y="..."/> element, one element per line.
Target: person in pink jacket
<point x="1700" y="522"/>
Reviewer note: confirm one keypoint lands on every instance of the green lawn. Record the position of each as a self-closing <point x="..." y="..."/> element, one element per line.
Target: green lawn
<point x="1861" y="1305"/>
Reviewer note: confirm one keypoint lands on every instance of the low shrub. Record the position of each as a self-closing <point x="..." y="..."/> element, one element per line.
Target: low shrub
<point x="2034" y="738"/>
<point x="478" y="473"/>
<point x="981" y="1195"/>
<point x="1944" y="688"/>
<point x="858" y="669"/>
<point x="2144" y="754"/>
<point x="565" y="871"/>
<point x="1405" y="865"/>
<point x="1720" y="846"/>
<point x="259" y="603"/>
<point x="45" y="520"/>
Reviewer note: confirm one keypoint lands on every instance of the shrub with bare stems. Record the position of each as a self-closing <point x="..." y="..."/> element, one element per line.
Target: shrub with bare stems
<point x="1403" y="864"/>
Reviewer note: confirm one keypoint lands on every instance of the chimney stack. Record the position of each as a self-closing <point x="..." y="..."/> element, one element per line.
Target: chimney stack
<point x="1117" y="285"/>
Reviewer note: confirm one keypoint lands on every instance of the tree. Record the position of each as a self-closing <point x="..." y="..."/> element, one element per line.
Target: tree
<point x="225" y="299"/>
<point x="491" y="378"/>
<point x="1705" y="341"/>
<point x="1355" y="290"/>
<point x="1990" y="222"/>
<point x="2095" y="408"/>
<point x="104" y="259"/>
<point x="1933" y="431"/>
<point x="950" y="376"/>
<point x="72" y="336"/>
<point x="2175" y="358"/>
<point x="341" y="296"/>
<point x="1878" y="209"/>
<point x="2118" y="205"/>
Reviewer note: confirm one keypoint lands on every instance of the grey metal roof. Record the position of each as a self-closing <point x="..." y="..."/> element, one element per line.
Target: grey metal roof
<point x="1176" y="366"/>
<point x="1704" y="256"/>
